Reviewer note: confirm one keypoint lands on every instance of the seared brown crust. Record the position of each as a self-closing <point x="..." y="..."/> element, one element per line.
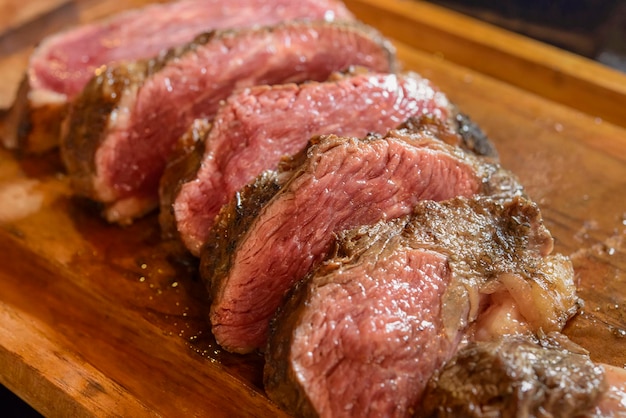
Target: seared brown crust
<point x="459" y="131"/>
<point x="88" y="117"/>
<point x="31" y="129"/>
<point x="181" y="168"/>
<point x="482" y="239"/>
<point x="515" y="377"/>
<point x="232" y="222"/>
<point x="473" y="138"/>
<point x="278" y="376"/>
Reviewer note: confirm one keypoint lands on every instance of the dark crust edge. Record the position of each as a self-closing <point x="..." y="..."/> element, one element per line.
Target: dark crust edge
<point x="85" y="128"/>
<point x="444" y="400"/>
<point x="29" y="129"/>
<point x="232" y="223"/>
<point x="458" y="130"/>
<point x="279" y="380"/>
<point x="182" y="167"/>
<point x="473" y="137"/>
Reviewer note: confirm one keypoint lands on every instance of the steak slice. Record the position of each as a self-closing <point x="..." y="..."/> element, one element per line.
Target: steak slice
<point x="365" y="331"/>
<point x="259" y="125"/>
<point x="122" y="129"/>
<point x="515" y="377"/>
<point x="259" y="248"/>
<point x="63" y="63"/>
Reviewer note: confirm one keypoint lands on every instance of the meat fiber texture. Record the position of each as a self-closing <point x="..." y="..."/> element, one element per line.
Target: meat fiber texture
<point x="63" y="64"/>
<point x="364" y="333"/>
<point x="265" y="240"/>
<point x="257" y="126"/>
<point x="123" y="128"/>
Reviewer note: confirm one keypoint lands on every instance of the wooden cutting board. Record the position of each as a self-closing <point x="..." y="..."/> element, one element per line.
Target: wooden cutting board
<point x="15" y="14"/>
<point x="99" y="320"/>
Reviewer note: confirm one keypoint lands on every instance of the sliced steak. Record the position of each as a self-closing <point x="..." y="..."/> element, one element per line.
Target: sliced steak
<point x="371" y="349"/>
<point x="515" y="376"/>
<point x="364" y="333"/>
<point x="258" y="248"/>
<point x="63" y="63"/>
<point x="123" y="127"/>
<point x="259" y="125"/>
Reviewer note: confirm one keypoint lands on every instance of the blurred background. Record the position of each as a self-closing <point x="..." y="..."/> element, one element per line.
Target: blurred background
<point x="595" y="29"/>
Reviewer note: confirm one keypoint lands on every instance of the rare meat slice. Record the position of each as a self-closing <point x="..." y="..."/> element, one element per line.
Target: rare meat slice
<point x="364" y="333"/>
<point x="63" y="63"/>
<point x="363" y="342"/>
<point x="257" y="126"/>
<point x="123" y="127"/>
<point x="258" y="248"/>
<point x="515" y="376"/>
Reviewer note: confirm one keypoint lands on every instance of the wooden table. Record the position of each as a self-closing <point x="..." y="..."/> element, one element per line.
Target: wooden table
<point x="98" y="320"/>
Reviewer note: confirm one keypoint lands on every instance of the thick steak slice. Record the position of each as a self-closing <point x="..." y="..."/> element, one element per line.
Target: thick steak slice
<point x="249" y="262"/>
<point x="63" y="63"/>
<point x="124" y="126"/>
<point x="363" y="342"/>
<point x="364" y="332"/>
<point x="259" y="125"/>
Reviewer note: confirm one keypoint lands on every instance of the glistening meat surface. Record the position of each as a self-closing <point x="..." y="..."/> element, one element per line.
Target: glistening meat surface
<point x="365" y="331"/>
<point x="63" y="63"/>
<point x="259" y="125"/>
<point x="124" y="126"/>
<point x="261" y="245"/>
<point x="363" y="342"/>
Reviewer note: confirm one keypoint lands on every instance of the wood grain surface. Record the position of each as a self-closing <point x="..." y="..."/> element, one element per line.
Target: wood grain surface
<point x="98" y="320"/>
<point x="15" y="13"/>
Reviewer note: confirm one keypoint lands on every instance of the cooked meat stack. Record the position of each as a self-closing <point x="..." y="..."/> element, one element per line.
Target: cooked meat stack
<point x="123" y="127"/>
<point x="353" y="208"/>
<point x="63" y="63"/>
<point x="365" y="332"/>
<point x="250" y="134"/>
<point x="270" y="235"/>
